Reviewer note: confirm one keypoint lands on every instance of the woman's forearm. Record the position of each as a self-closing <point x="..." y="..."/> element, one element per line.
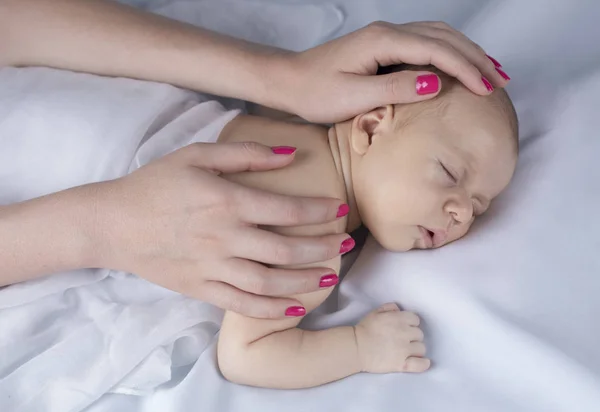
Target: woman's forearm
<point x="111" y="39"/>
<point x="48" y="234"/>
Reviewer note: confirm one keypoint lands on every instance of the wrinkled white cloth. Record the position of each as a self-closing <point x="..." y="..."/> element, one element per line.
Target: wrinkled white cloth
<point x="69" y="338"/>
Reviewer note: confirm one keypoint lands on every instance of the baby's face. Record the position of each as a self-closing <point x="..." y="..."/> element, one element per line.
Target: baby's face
<point x="422" y="185"/>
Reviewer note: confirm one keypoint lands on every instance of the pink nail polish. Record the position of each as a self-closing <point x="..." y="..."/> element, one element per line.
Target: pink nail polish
<point x="343" y="210"/>
<point x="295" y="311"/>
<point x="347" y="245"/>
<point x="496" y="62"/>
<point x="504" y="75"/>
<point x="283" y="150"/>
<point x="427" y="84"/>
<point x="487" y="84"/>
<point x="328" y="281"/>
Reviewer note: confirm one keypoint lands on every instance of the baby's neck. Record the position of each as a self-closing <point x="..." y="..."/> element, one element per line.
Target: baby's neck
<point x="339" y="142"/>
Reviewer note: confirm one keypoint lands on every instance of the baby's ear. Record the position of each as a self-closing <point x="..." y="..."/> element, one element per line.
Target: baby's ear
<point x="368" y="125"/>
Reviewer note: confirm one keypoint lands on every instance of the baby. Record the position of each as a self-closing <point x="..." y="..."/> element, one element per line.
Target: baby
<point x="417" y="176"/>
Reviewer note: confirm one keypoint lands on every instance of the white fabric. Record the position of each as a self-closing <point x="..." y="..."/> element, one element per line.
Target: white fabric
<point x="67" y="339"/>
<point x="510" y="312"/>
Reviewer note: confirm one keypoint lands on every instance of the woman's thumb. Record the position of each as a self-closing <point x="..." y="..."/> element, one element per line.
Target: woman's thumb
<point x="401" y="87"/>
<point x="237" y="157"/>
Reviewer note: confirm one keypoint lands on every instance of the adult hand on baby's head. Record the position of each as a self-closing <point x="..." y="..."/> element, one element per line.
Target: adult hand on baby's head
<point x="336" y="81"/>
<point x="180" y="225"/>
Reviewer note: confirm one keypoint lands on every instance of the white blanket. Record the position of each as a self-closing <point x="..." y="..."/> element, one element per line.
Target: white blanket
<point x="510" y="312"/>
<point x="67" y="339"/>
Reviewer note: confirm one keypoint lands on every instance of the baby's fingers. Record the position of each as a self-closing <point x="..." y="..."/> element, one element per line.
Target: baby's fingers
<point x="415" y="334"/>
<point x="416" y="365"/>
<point x="387" y="307"/>
<point x="417" y="349"/>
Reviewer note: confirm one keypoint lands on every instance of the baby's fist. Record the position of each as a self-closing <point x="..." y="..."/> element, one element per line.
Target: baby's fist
<point x="390" y="340"/>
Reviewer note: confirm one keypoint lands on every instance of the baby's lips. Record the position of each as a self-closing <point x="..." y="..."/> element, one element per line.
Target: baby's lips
<point x="439" y="237"/>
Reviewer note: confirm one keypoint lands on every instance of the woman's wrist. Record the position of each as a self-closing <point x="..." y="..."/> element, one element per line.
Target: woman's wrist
<point x="90" y="231"/>
<point x="49" y="234"/>
<point x="286" y="83"/>
<point x="274" y="80"/>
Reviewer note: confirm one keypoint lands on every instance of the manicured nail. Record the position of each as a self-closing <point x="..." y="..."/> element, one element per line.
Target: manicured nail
<point x="427" y="84"/>
<point x="328" y="281"/>
<point x="283" y="150"/>
<point x="488" y="85"/>
<point x="504" y="75"/>
<point x="343" y="210"/>
<point x="496" y="62"/>
<point x="295" y="311"/>
<point x="347" y="245"/>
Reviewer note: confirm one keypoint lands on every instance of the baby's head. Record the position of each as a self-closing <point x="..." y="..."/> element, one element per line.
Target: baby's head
<point x="422" y="172"/>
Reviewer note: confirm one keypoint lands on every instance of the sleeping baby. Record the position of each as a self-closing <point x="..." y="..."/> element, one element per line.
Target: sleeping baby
<point x="416" y="176"/>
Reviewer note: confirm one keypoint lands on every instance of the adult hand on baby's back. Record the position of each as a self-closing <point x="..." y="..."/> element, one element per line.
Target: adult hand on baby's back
<point x="179" y="224"/>
<point x="336" y="81"/>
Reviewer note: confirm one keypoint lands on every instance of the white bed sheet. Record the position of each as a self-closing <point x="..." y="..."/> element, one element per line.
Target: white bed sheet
<point x="510" y="312"/>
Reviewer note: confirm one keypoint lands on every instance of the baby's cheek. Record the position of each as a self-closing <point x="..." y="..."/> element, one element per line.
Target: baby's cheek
<point x="394" y="241"/>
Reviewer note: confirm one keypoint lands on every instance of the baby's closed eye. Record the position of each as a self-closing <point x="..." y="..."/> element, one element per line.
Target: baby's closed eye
<point x="450" y="175"/>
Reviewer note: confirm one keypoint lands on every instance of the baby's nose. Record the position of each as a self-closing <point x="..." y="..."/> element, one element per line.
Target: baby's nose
<point x="461" y="210"/>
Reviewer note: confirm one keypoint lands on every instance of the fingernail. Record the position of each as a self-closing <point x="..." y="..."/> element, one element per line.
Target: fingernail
<point x="283" y="150"/>
<point x="496" y="62"/>
<point x="347" y="245"/>
<point x="504" y="75"/>
<point x="343" y="210"/>
<point x="295" y="311"/>
<point x="328" y="281"/>
<point x="488" y="85"/>
<point x="427" y="84"/>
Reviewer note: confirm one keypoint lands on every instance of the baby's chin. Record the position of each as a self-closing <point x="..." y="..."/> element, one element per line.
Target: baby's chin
<point x="395" y="243"/>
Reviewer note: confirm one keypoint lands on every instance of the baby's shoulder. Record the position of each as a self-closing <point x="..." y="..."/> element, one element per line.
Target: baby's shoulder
<point x="312" y="173"/>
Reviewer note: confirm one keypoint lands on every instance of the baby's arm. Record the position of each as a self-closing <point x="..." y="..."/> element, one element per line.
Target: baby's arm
<point x="276" y="354"/>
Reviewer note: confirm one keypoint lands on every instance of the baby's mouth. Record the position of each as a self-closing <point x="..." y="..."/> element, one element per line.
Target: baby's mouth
<point x="427" y="236"/>
<point x="433" y="238"/>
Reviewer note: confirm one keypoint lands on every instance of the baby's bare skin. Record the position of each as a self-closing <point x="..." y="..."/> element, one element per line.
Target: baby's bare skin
<point x="416" y="177"/>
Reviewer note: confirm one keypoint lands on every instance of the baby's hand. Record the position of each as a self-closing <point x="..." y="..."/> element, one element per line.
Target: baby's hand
<point x="390" y="340"/>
